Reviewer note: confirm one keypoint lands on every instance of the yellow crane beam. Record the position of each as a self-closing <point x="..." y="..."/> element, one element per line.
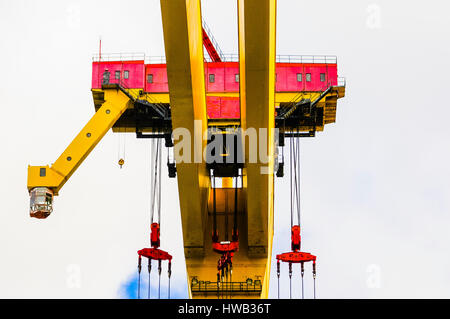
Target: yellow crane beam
<point x="257" y="23"/>
<point x="46" y="181"/>
<point x="54" y="177"/>
<point x="185" y="68"/>
<point x="182" y="28"/>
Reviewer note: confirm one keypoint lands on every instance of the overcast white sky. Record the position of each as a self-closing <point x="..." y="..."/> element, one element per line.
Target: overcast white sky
<point x="375" y="190"/>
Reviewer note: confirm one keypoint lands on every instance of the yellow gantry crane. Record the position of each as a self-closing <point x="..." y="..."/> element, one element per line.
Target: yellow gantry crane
<point x="246" y="194"/>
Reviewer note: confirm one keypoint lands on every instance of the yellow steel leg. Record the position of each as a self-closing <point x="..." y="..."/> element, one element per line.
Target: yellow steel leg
<point x="182" y="28"/>
<point x="257" y="21"/>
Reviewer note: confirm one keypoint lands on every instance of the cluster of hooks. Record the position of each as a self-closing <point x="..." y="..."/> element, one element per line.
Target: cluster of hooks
<point x="224" y="268"/>
<point x="225" y="248"/>
<point x="295" y="258"/>
<point x="296" y="255"/>
<point x="154" y="253"/>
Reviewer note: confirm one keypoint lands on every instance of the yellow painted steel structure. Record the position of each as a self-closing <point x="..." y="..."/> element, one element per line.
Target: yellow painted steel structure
<point x="54" y="177"/>
<point x="184" y="55"/>
<point x="328" y="103"/>
<point x="182" y="27"/>
<point x="257" y="32"/>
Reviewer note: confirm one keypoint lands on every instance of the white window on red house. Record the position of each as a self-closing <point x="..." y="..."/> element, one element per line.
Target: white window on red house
<point x="322" y="77"/>
<point x="126" y="74"/>
<point x="117" y="75"/>
<point x="308" y="77"/>
<point x="212" y="78"/>
<point x="149" y="78"/>
<point x="299" y="77"/>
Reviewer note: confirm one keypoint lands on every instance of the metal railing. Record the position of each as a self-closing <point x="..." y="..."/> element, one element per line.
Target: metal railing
<point x="281" y="58"/>
<point x="226" y="287"/>
<point x="341" y="81"/>
<point x="213" y="40"/>
<point x="229" y="57"/>
<point x="306" y="59"/>
<point x="155" y="59"/>
<point x="106" y="57"/>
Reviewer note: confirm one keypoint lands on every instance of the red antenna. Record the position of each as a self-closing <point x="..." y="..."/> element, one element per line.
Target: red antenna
<point x="99" y="60"/>
<point x="100" y="50"/>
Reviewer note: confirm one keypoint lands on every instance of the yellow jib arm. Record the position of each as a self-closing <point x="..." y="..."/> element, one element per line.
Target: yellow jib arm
<point x="44" y="181"/>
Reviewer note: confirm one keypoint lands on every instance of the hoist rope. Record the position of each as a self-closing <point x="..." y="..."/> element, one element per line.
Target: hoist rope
<point x="120" y="145"/>
<point x="169" y="272"/>
<point x="149" y="271"/>
<point x="124" y="146"/>
<point x="290" y="280"/>
<point x="139" y="285"/>
<point x="155" y="175"/>
<point x="278" y="286"/>
<point x="159" y="180"/>
<point x="226" y="215"/>
<point x="302" y="273"/>
<point x="290" y="287"/>
<point x="218" y="286"/>
<point x="221" y="281"/>
<point x="227" y="288"/>
<point x="231" y="281"/>
<point x="152" y="179"/>
<point x="214" y="205"/>
<point x="278" y="275"/>
<point x="235" y="207"/>
<point x="139" y="278"/>
<point x="294" y="171"/>
<point x="159" y="280"/>
<point x="290" y="179"/>
<point x="303" y="291"/>
<point x="314" y="279"/>
<point x="297" y="176"/>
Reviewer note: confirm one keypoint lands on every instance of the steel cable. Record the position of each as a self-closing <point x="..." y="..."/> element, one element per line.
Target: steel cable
<point x="149" y="271"/>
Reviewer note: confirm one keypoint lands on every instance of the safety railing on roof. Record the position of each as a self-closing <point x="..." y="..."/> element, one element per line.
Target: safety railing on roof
<point x="328" y="59"/>
<point x="133" y="56"/>
<point x="231" y="57"/>
<point x="306" y="59"/>
<point x="155" y="59"/>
